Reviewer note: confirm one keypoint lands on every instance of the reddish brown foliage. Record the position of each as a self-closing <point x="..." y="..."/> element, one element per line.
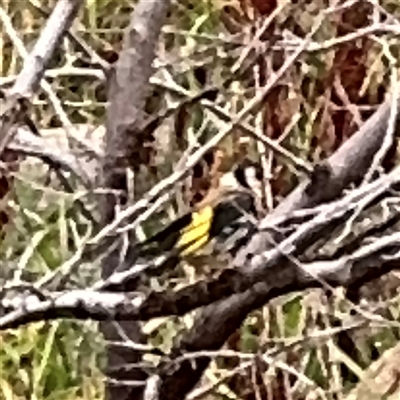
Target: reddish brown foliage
<point x="264" y="7"/>
<point x="349" y="68"/>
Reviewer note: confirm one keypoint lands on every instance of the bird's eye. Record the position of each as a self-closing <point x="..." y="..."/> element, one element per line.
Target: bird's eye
<point x="259" y="173"/>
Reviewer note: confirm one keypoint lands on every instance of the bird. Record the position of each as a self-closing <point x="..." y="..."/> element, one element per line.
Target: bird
<point x="225" y="216"/>
<point x="226" y="219"/>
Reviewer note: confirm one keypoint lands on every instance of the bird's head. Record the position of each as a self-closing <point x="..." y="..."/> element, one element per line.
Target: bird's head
<point x="247" y="176"/>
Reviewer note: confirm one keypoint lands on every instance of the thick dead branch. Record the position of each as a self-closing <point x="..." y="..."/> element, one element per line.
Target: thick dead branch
<point x="370" y="259"/>
<point x="347" y="165"/>
<point x="127" y="92"/>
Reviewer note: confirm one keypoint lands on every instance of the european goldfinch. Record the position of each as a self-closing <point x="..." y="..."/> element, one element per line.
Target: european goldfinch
<point x="232" y="206"/>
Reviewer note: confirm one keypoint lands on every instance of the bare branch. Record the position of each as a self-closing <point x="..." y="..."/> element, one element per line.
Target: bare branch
<point x="34" y="66"/>
<point x="262" y="268"/>
<point x="127" y="92"/>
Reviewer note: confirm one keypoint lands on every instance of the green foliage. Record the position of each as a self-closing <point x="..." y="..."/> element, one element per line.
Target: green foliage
<point x="292" y="311"/>
<point x="50" y="361"/>
<point x="47" y="361"/>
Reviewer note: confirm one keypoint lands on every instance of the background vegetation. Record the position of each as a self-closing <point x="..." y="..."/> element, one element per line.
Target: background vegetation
<point x="319" y="103"/>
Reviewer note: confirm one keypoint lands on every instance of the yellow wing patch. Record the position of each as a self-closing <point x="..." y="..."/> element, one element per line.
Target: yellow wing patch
<point x="196" y="235"/>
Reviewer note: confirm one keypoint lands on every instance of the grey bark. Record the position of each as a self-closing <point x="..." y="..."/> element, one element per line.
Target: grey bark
<point x="127" y="92"/>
